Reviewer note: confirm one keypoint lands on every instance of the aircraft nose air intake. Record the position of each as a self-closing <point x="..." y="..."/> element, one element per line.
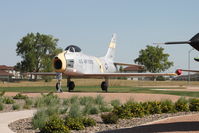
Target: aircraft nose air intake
<point x="59" y="63"/>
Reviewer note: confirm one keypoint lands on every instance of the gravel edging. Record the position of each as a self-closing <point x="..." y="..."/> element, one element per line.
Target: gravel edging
<point x="24" y="125"/>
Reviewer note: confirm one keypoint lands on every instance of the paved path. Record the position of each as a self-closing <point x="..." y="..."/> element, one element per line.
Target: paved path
<point x="9" y="117"/>
<point x="179" y="124"/>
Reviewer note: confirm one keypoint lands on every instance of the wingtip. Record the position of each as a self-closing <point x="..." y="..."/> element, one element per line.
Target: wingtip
<point x="179" y="72"/>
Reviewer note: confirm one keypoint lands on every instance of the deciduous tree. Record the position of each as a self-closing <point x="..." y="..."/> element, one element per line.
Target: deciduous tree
<point x="37" y="51"/>
<point x="154" y="59"/>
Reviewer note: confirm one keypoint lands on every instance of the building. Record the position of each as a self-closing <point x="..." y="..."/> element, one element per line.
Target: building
<point x="133" y="69"/>
<point x="8" y="73"/>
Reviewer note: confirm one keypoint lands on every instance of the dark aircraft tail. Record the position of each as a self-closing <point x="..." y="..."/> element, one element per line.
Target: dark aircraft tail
<point x="194" y="42"/>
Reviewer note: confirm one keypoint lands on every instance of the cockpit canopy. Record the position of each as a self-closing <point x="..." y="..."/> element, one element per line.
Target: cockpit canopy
<point x="73" y="48"/>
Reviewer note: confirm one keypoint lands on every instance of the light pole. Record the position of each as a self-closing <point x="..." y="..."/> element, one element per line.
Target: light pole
<point x="189" y="52"/>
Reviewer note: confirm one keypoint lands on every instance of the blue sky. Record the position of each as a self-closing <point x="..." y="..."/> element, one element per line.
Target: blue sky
<point x="89" y="24"/>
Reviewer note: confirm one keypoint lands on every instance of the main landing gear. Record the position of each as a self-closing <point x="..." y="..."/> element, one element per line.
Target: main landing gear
<point x="104" y="85"/>
<point x="71" y="84"/>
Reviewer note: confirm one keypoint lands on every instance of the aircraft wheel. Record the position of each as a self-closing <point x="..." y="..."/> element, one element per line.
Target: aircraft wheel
<point x="58" y="87"/>
<point x="71" y="86"/>
<point x="104" y="86"/>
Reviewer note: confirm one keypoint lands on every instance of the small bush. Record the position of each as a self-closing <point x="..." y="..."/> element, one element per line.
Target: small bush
<point x="55" y="125"/>
<point x="1" y="106"/>
<point x="15" y="106"/>
<point x="86" y="100"/>
<point x="86" y="109"/>
<point x="167" y="106"/>
<point x="20" y="96"/>
<point x="153" y="107"/>
<point x="74" y="100"/>
<point x="182" y="105"/>
<point x="137" y="110"/>
<point x="39" y="119"/>
<point x="109" y="118"/>
<point x="123" y="111"/>
<point x="50" y="111"/>
<point x="47" y="100"/>
<point x="2" y="93"/>
<point x="88" y="122"/>
<point x="75" y="111"/>
<point x="74" y="123"/>
<point x="66" y="102"/>
<point x="99" y="100"/>
<point x="105" y="108"/>
<point x="8" y="100"/>
<point x="115" y="103"/>
<point x="28" y="103"/>
<point x="94" y="110"/>
<point x="194" y="104"/>
<point x="63" y="110"/>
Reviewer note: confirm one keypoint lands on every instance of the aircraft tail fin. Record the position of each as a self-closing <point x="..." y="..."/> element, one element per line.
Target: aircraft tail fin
<point x="111" y="50"/>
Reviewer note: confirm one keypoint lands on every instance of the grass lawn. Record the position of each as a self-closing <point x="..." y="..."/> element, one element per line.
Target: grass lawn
<point x="112" y="89"/>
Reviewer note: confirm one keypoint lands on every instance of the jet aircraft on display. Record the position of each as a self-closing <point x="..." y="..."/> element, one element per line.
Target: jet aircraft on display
<point x="73" y="63"/>
<point x="194" y="42"/>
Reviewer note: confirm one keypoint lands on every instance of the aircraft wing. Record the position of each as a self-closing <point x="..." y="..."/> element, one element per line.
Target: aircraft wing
<point x="42" y="73"/>
<point x="125" y="64"/>
<point x="127" y="74"/>
<point x="187" y="70"/>
<point x="106" y="74"/>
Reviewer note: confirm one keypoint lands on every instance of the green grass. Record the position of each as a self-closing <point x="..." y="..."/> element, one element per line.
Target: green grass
<point x="112" y="89"/>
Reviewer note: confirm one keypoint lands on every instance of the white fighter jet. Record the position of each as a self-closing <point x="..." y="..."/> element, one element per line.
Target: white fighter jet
<point x="73" y="63"/>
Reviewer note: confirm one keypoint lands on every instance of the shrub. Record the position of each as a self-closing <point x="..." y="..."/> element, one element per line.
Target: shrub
<point x="20" y="96"/>
<point x="28" y="103"/>
<point x="94" y="110"/>
<point x="74" y="123"/>
<point x="123" y="111"/>
<point x="109" y="118"/>
<point x="47" y="100"/>
<point x="55" y="125"/>
<point x="137" y="110"/>
<point x="167" y="106"/>
<point x="115" y="103"/>
<point x="52" y="111"/>
<point x="153" y="107"/>
<point x="39" y="119"/>
<point x="105" y="108"/>
<point x="66" y="102"/>
<point x="74" y="100"/>
<point x="1" y="106"/>
<point x="63" y="110"/>
<point x="75" y="111"/>
<point x="86" y="100"/>
<point x="86" y="109"/>
<point x="99" y="100"/>
<point x="2" y="93"/>
<point x="88" y="122"/>
<point x="182" y="105"/>
<point x="194" y="104"/>
<point x="8" y="100"/>
<point x="15" y="106"/>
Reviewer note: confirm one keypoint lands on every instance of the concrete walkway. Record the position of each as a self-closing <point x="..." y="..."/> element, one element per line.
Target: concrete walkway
<point x="178" y="124"/>
<point x="9" y="117"/>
